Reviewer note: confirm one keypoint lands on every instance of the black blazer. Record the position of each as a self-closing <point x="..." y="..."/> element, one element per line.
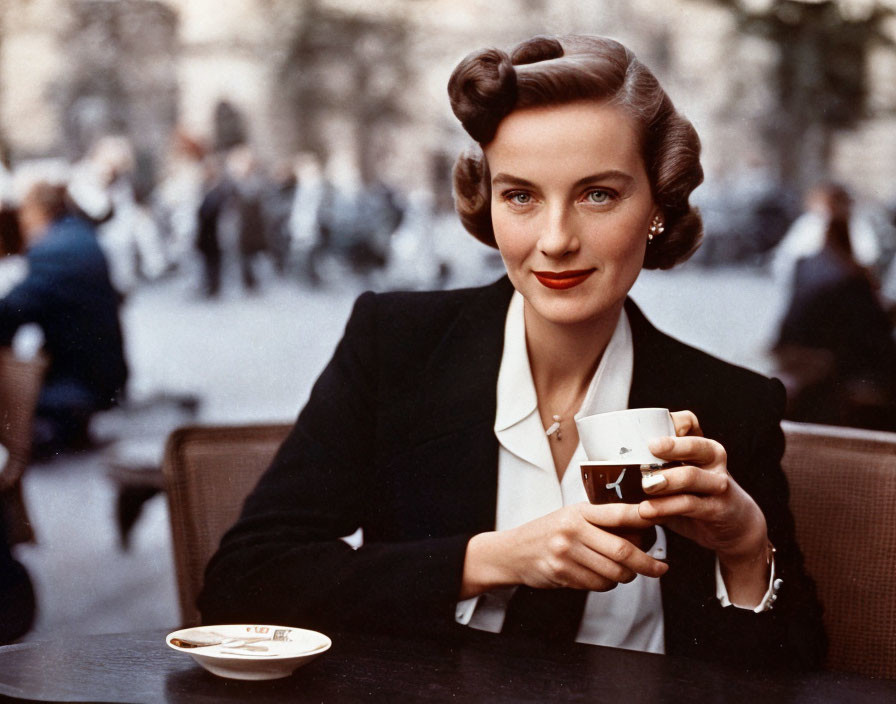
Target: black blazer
<point x="397" y="438"/>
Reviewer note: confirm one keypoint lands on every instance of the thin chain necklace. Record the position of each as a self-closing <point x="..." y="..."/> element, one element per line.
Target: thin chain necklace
<point x="555" y="431"/>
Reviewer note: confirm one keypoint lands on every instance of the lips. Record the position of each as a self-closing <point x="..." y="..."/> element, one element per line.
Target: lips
<point x="562" y="279"/>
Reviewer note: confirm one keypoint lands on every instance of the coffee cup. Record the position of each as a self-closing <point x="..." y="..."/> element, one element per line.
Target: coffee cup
<point x="622" y="436"/>
<point x="612" y="483"/>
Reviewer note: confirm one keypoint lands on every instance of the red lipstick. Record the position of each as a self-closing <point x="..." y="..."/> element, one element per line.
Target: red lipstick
<point x="562" y="279"/>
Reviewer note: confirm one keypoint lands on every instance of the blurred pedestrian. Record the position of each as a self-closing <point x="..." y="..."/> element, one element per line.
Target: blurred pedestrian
<point x="248" y="192"/>
<point x="357" y="217"/>
<point x="178" y="194"/>
<point x="835" y="347"/>
<point x="277" y="200"/>
<point x="208" y="243"/>
<point x="68" y="294"/>
<point x="130" y="236"/>
<point x="307" y="243"/>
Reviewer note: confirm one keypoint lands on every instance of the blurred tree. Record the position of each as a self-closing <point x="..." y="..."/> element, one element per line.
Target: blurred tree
<point x="348" y="67"/>
<point x="121" y="76"/>
<point x="820" y="81"/>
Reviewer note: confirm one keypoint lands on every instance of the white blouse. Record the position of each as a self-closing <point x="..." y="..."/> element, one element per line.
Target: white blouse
<point x="629" y="616"/>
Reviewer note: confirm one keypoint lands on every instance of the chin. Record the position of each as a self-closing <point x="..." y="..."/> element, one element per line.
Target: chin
<point x="574" y="311"/>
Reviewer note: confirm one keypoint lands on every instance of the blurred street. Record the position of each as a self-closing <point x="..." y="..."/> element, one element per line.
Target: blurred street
<point x="253" y="359"/>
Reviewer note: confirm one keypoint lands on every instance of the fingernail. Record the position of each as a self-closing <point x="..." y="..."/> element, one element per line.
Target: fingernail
<point x="653" y="482"/>
<point x="659" y="445"/>
<point x="646" y="510"/>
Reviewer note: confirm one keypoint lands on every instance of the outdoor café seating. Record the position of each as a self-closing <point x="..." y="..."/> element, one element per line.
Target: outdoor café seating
<point x="843" y="497"/>
<point x="208" y="472"/>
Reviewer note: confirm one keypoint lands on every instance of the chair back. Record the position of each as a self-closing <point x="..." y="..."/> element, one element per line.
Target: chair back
<point x="843" y="498"/>
<point x="20" y="385"/>
<point x="209" y="471"/>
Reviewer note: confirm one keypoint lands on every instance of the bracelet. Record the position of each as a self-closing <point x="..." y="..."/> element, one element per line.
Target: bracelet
<point x="776" y="583"/>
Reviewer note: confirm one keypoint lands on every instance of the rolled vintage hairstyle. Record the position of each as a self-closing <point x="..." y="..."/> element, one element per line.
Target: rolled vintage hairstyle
<point x="488" y="85"/>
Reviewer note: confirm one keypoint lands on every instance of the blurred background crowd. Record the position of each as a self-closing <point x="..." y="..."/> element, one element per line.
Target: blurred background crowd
<point x="245" y="168"/>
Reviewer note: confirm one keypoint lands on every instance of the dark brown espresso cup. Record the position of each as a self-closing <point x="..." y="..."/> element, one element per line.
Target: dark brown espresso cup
<point x="609" y="483"/>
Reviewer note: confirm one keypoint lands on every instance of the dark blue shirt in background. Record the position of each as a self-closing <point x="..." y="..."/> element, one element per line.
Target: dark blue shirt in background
<point x="68" y="293"/>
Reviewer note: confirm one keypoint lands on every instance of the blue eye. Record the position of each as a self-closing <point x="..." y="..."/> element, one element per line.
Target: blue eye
<point x="598" y="196"/>
<point x="519" y="198"/>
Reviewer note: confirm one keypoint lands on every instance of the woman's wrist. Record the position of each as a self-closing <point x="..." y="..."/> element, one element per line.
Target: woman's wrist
<point x="746" y="573"/>
<point x="746" y="554"/>
<point x="487" y="564"/>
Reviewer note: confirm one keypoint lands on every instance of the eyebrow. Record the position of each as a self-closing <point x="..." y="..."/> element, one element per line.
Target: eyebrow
<point x="510" y="180"/>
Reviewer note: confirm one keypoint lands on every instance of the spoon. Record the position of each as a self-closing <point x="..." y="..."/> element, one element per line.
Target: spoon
<point x="281" y="635"/>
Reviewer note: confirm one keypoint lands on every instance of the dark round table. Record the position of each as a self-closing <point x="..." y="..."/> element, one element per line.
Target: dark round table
<point x="139" y="667"/>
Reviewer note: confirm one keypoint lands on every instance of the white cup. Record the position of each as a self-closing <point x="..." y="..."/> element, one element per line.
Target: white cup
<point x="622" y="436"/>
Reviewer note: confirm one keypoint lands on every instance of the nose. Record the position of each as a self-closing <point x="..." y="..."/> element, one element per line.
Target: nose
<point x="558" y="235"/>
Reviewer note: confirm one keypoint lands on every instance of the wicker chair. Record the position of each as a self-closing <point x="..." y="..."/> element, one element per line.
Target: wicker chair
<point x="843" y="497"/>
<point x="20" y="384"/>
<point x="208" y="472"/>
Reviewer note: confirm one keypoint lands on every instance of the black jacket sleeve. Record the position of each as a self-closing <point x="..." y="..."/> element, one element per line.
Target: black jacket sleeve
<point x="791" y="634"/>
<point x="284" y="562"/>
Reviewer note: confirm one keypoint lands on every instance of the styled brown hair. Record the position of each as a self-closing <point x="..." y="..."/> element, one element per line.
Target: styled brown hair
<point x="489" y="84"/>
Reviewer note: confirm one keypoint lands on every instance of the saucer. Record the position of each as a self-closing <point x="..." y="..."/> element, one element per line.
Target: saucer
<point x="249" y="651"/>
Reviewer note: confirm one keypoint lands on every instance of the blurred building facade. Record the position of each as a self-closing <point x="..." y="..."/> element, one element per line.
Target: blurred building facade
<point x="364" y="83"/>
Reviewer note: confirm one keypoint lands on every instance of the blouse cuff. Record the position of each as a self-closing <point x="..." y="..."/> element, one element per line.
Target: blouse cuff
<point x="767" y="600"/>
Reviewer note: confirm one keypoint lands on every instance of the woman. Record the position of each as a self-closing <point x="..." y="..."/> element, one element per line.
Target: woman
<point x="428" y="428"/>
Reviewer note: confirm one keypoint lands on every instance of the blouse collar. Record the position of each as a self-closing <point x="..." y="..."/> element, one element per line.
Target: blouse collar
<point x="607" y="391"/>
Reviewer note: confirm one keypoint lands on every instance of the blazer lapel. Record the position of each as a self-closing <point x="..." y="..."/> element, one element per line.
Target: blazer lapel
<point x="460" y="379"/>
<point x="455" y="414"/>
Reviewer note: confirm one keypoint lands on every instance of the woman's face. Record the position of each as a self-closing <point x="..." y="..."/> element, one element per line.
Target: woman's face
<point x="571" y="206"/>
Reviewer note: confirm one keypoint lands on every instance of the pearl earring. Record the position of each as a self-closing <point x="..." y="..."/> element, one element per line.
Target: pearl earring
<point x="656" y="228"/>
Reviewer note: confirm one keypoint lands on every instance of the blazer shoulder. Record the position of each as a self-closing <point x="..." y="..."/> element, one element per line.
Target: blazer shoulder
<point x="695" y="378"/>
<point x="420" y="315"/>
<point x="423" y="307"/>
<point x="407" y="334"/>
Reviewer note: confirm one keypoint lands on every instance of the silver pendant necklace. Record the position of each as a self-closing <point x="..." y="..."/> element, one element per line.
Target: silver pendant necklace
<point x="555" y="428"/>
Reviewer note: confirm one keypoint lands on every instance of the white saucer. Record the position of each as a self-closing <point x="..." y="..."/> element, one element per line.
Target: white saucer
<point x="249" y="651"/>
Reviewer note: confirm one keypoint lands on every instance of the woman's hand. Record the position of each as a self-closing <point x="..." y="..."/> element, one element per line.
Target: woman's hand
<point x="701" y="501"/>
<point x="566" y="548"/>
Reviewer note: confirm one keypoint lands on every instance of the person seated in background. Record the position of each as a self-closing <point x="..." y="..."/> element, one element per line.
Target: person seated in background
<point x="825" y="201"/>
<point x="68" y="294"/>
<point x="17" y="603"/>
<point x="13" y="267"/>
<point x="835" y="346"/>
